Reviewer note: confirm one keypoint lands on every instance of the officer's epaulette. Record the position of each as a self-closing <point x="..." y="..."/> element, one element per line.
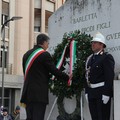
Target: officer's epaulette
<point x="106" y="53"/>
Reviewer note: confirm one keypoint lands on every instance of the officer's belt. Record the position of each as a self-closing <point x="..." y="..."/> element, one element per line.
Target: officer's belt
<point x="96" y="85"/>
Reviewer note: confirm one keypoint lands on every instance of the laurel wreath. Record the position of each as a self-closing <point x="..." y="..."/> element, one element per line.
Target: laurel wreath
<point x="60" y="87"/>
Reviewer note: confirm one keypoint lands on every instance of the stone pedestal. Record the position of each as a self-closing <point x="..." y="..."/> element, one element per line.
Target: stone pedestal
<point x="116" y="99"/>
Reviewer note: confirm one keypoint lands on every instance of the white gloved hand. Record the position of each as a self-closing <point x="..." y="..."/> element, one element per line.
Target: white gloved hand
<point x="86" y="96"/>
<point x="105" y="99"/>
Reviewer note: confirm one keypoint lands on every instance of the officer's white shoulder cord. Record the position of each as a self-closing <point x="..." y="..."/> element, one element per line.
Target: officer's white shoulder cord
<point x="87" y="61"/>
<point x="87" y="68"/>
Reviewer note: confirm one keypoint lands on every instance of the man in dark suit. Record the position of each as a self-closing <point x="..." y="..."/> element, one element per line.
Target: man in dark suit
<point x="99" y="79"/>
<point x="37" y="64"/>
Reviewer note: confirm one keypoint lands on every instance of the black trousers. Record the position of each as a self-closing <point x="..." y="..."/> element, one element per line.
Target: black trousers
<point x="98" y="110"/>
<point x="35" y="111"/>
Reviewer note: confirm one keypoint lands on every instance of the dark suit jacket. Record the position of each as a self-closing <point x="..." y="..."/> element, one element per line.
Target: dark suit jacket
<point x="101" y="70"/>
<point x="36" y="84"/>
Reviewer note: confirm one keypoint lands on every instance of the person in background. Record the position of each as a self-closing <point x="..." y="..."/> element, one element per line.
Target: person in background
<point x="16" y="113"/>
<point x="37" y="64"/>
<point x="99" y="79"/>
<point x="5" y="115"/>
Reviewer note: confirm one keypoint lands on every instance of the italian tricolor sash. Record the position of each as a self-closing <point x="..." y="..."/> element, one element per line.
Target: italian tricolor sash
<point x="31" y="59"/>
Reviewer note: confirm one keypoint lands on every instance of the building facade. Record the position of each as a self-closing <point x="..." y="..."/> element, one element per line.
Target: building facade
<point x="20" y="36"/>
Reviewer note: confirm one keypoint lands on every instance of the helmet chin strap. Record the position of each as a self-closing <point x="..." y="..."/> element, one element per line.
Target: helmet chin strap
<point x="98" y="51"/>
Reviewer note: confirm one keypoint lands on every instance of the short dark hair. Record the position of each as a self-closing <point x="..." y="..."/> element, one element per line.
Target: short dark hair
<point x="5" y="110"/>
<point x="17" y="108"/>
<point x="41" y="38"/>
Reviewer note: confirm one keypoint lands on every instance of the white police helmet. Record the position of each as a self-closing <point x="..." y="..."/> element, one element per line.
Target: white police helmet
<point x="99" y="38"/>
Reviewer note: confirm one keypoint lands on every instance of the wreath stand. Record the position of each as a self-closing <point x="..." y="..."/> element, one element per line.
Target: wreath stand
<point x="55" y="102"/>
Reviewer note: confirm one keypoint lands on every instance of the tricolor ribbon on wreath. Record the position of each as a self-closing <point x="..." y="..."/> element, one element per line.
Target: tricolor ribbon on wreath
<point x="72" y="46"/>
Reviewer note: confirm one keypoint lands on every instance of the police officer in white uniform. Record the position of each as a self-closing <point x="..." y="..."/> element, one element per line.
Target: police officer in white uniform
<point x="99" y="79"/>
